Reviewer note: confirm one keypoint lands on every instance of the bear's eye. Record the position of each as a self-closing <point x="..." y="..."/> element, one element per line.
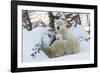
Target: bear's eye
<point x="58" y="27"/>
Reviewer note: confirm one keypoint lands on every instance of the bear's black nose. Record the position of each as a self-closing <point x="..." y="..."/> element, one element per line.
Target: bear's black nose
<point x="57" y="27"/>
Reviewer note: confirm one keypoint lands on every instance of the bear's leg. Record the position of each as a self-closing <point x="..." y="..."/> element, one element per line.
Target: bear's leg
<point x="73" y="46"/>
<point x="59" y="53"/>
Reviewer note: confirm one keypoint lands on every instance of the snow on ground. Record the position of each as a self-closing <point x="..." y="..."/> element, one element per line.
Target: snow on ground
<point x="31" y="38"/>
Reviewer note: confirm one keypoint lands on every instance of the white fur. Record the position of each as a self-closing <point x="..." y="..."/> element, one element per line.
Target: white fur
<point x="73" y="44"/>
<point x="66" y="42"/>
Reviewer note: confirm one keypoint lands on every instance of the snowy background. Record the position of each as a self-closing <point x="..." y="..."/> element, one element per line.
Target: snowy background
<point x="38" y="33"/>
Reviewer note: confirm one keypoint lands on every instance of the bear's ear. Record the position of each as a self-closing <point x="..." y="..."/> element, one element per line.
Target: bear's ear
<point x="55" y="20"/>
<point x="68" y="23"/>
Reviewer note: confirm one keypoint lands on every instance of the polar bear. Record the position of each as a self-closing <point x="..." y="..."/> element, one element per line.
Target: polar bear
<point x="66" y="42"/>
<point x="57" y="48"/>
<point x="61" y="47"/>
<point x="62" y="27"/>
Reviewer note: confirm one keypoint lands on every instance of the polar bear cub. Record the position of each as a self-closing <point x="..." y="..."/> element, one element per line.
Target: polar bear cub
<point x="57" y="48"/>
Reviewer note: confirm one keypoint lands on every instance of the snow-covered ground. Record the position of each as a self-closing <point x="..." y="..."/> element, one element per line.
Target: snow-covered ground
<point x="32" y="38"/>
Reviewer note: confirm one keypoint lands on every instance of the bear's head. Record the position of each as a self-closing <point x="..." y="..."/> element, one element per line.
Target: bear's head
<point x="61" y="25"/>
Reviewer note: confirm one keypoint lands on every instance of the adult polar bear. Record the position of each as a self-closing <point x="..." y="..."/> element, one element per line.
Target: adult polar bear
<point x="67" y="43"/>
<point x="72" y="43"/>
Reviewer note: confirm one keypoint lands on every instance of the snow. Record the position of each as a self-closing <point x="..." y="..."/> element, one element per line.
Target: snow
<point x="32" y="38"/>
<point x="79" y="32"/>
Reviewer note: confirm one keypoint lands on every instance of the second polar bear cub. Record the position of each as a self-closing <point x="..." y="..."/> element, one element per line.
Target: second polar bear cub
<point x="73" y="44"/>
